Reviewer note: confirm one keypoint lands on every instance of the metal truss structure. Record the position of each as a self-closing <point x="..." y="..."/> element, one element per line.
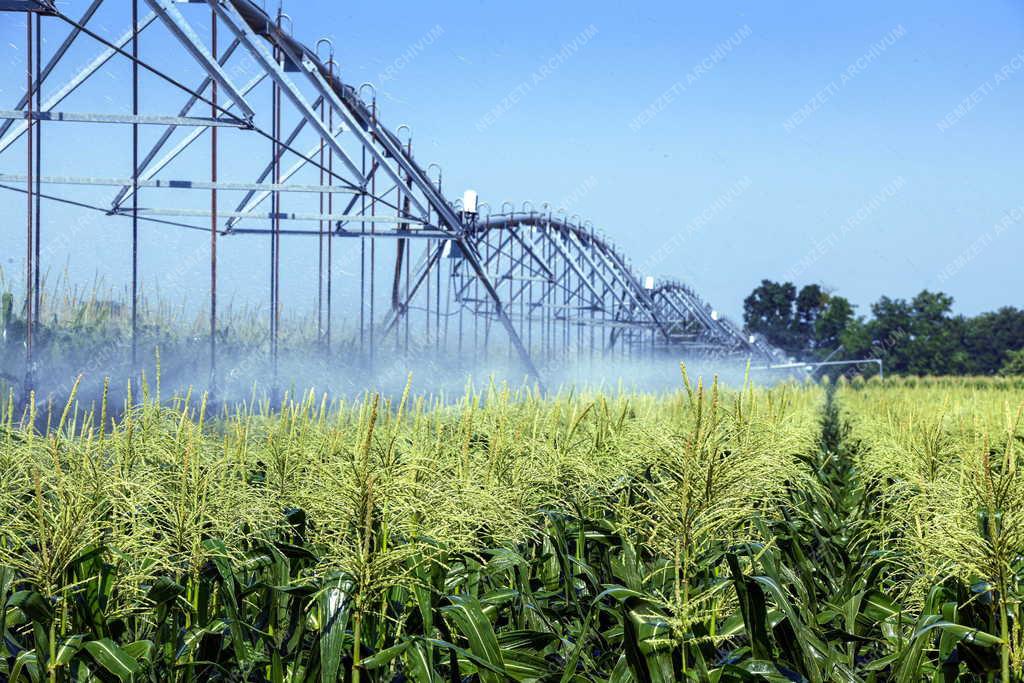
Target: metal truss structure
<point x="531" y="285"/>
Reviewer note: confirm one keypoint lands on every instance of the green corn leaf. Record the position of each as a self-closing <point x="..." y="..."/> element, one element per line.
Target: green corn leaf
<point x="41" y="639"/>
<point x="418" y="659"/>
<point x="645" y="636"/>
<point x="484" y="667"/>
<point x="26" y="663"/>
<point x="32" y="605"/>
<point x="140" y="650"/>
<point x="525" y="666"/>
<point x="68" y="649"/>
<point x="384" y="657"/>
<point x="164" y="590"/>
<point x="526" y="640"/>
<point x="963" y="633"/>
<point x="193" y="637"/>
<point x="752" y="608"/>
<point x="229" y="589"/>
<point x="621" y="671"/>
<point x="878" y="607"/>
<point x="333" y="603"/>
<point x="572" y="662"/>
<point x="113" y="659"/>
<point x="471" y="622"/>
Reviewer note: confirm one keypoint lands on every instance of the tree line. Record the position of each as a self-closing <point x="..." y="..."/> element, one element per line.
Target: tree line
<point x="921" y="336"/>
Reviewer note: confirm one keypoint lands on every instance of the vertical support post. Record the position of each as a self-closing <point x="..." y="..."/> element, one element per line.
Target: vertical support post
<point x="593" y="313"/>
<point x="606" y="334"/>
<point x="447" y="306"/>
<point x="461" y="306"/>
<point x="440" y="265"/>
<point x="567" y="302"/>
<point x="487" y="254"/>
<point x="373" y="244"/>
<point x="529" y="307"/>
<point x="37" y="283"/>
<point x="427" y="314"/>
<point x="320" y="338"/>
<point x="437" y="305"/>
<point x="408" y="312"/>
<point x="549" y="294"/>
<point x="29" y="251"/>
<point x="476" y="312"/>
<point x="519" y="288"/>
<point x="135" y="186"/>
<point x="330" y="210"/>
<point x="213" y="213"/>
<point x="583" y="313"/>
<point x="515" y="265"/>
<point x="275" y="228"/>
<point x="407" y="245"/>
<point x="362" y="268"/>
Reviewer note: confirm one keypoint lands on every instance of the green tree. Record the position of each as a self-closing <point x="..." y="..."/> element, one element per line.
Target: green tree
<point x="918" y="337"/>
<point x="935" y="347"/>
<point x="768" y="312"/>
<point x="811" y="303"/>
<point x="990" y="337"/>
<point x="1014" y="364"/>
<point x="805" y="323"/>
<point x="831" y="324"/>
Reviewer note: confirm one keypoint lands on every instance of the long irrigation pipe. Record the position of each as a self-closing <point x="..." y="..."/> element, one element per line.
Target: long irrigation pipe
<point x="811" y="366"/>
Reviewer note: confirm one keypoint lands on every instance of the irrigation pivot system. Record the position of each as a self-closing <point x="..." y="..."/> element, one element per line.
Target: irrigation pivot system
<point x="243" y="132"/>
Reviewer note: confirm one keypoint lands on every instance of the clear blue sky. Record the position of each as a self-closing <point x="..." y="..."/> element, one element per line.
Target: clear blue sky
<point x="882" y="189"/>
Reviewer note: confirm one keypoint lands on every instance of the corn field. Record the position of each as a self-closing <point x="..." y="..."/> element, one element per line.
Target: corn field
<point x="853" y="532"/>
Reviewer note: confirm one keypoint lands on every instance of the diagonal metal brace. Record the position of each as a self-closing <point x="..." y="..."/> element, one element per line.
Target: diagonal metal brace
<point x="181" y="29"/>
<point x="76" y="81"/>
<point x="262" y="55"/>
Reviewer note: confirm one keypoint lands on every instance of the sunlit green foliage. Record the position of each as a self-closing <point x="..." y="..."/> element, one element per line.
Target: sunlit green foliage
<point x="867" y="532"/>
